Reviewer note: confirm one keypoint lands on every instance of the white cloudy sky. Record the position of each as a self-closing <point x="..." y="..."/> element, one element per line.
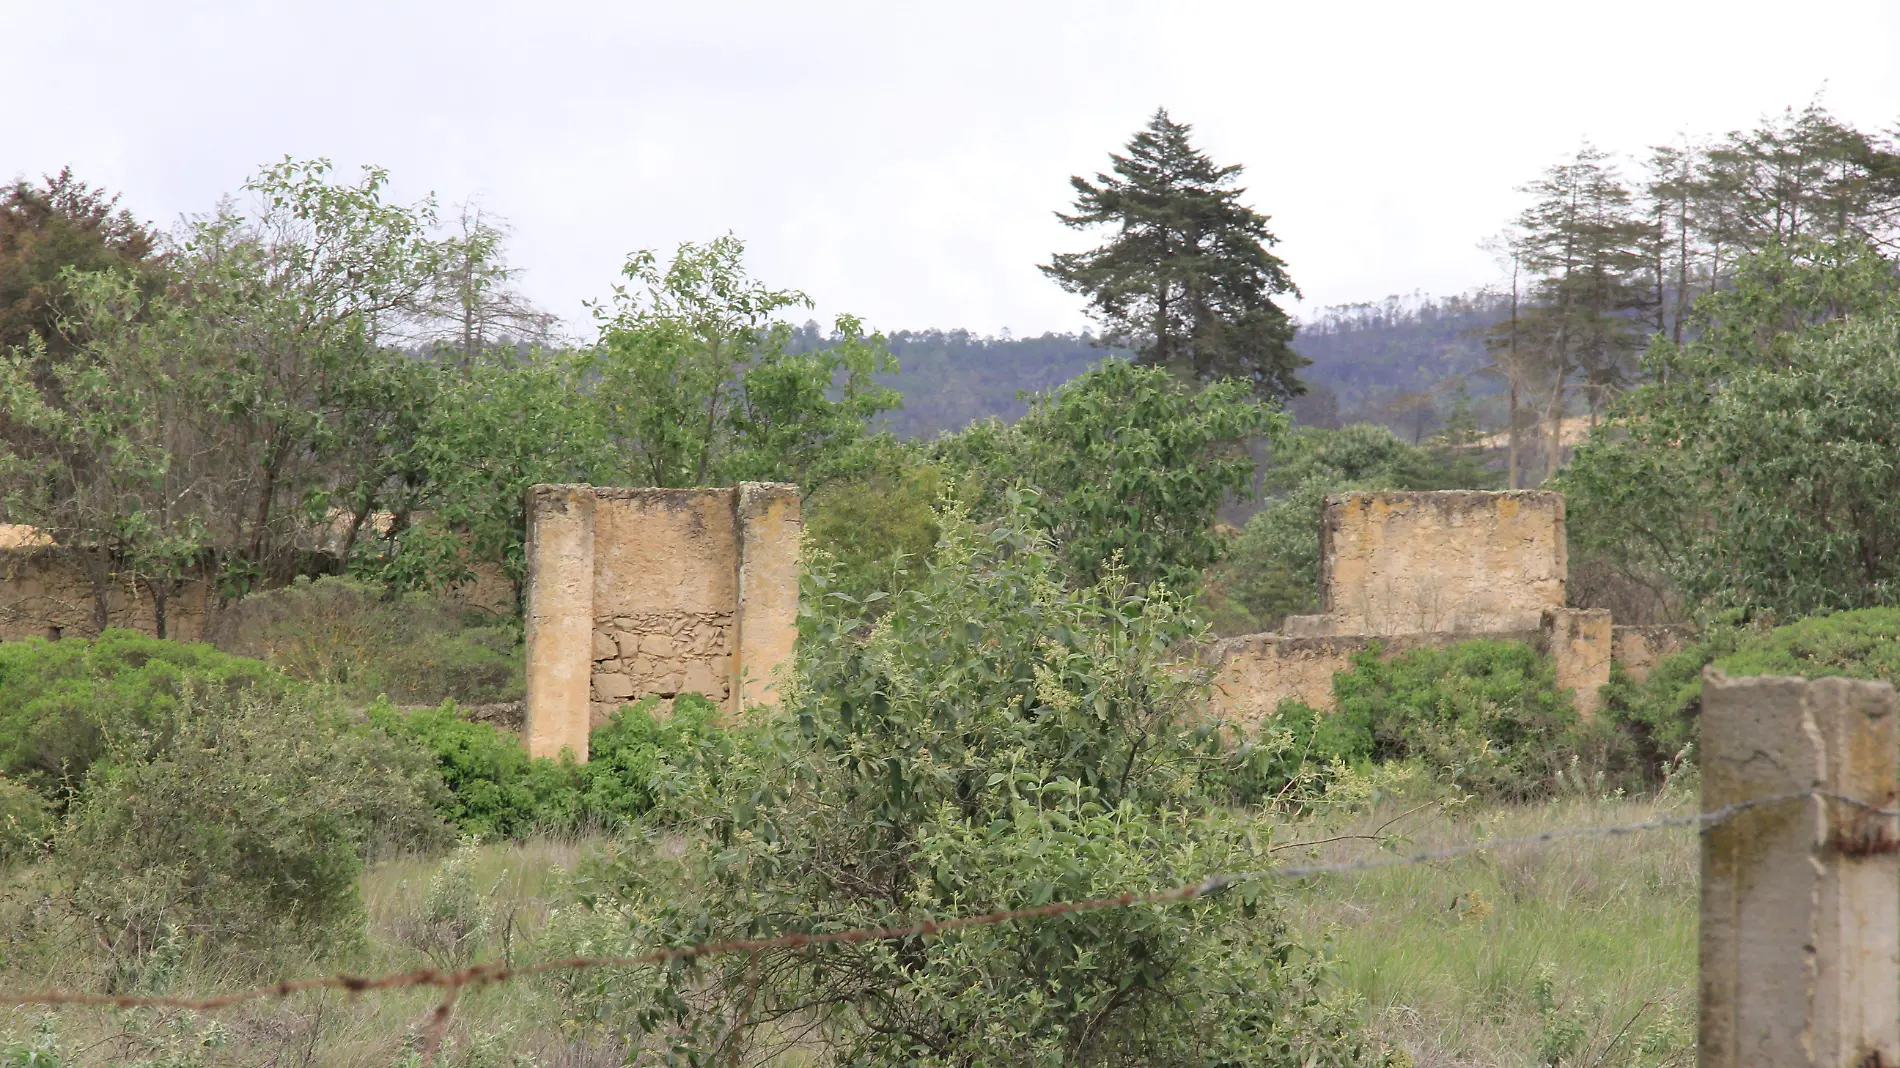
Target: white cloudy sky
<point x="901" y="160"/>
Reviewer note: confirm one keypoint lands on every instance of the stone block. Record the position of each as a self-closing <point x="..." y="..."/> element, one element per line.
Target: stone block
<point x="560" y="618"/>
<point x="1800" y="920"/>
<point x="613" y="687"/>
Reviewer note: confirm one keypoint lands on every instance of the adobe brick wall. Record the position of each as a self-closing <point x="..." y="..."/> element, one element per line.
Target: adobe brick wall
<point x="1465" y="561"/>
<point x="641" y="592"/>
<point x="45" y="593"/>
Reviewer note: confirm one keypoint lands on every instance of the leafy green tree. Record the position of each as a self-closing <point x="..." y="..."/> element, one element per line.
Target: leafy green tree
<point x="1755" y="469"/>
<point x="1124" y="466"/>
<point x="485" y="437"/>
<point x="224" y="424"/>
<point x="698" y="383"/>
<point x="1187" y="281"/>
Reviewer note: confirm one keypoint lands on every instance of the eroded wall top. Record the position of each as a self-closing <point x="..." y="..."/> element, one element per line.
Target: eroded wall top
<point x="1404" y="563"/>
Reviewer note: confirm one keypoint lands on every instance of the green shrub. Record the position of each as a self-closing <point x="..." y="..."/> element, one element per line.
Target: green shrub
<point x="25" y="822"/>
<point x="994" y="739"/>
<point x="1484" y="715"/>
<point x="639" y="761"/>
<point x="415" y="648"/>
<point x="245" y="824"/>
<point x="1661" y="712"/>
<point x="877" y="529"/>
<point x="61" y="701"/>
<point x="495" y="789"/>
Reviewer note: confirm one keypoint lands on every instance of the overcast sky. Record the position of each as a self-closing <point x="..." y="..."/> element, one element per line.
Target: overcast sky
<point x="902" y="160"/>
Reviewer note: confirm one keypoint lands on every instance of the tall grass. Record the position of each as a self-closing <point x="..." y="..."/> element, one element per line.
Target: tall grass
<point x="1581" y="953"/>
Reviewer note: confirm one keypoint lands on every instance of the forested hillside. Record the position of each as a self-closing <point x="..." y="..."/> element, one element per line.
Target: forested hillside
<point x="951" y="378"/>
<point x="1394" y="362"/>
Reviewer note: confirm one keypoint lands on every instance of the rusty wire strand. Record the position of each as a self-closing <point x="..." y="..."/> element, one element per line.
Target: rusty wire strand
<point x="453" y="983"/>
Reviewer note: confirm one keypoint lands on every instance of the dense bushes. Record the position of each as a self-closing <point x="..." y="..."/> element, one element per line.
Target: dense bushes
<point x="245" y="821"/>
<point x="60" y="702"/>
<point x="994" y="738"/>
<point x="1661" y="712"/>
<point x="1483" y="716"/>
<point x="636" y="761"/>
<point x="415" y="648"/>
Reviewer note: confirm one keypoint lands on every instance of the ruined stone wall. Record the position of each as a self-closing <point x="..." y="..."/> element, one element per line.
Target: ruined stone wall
<point x="655" y="592"/>
<point x="1254" y="673"/>
<point x="1639" y="649"/>
<point x="45" y="593"/>
<point x="1402" y="563"/>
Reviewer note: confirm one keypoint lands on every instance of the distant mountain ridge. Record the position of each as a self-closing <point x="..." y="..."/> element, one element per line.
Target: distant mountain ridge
<point x="1392" y="362"/>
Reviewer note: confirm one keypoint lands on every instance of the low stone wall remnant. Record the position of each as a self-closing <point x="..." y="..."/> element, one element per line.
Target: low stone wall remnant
<point x="1401" y="571"/>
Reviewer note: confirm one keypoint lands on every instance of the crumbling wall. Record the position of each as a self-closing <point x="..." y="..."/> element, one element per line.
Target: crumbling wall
<point x="45" y="593"/>
<point x="1640" y="649"/>
<point x="1251" y="675"/>
<point x="642" y="592"/>
<point x="1402" y="563"/>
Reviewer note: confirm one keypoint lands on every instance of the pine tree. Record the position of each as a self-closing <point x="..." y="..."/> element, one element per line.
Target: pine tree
<point x="1187" y="280"/>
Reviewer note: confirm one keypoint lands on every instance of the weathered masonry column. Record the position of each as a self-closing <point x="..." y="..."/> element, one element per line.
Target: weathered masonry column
<point x="1800" y="938"/>
<point x="770" y="527"/>
<point x="636" y="593"/>
<point x="560" y="623"/>
<point x="1580" y="642"/>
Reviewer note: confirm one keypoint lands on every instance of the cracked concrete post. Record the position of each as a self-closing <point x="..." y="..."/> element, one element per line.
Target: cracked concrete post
<point x="560" y="623"/>
<point x="1800" y="936"/>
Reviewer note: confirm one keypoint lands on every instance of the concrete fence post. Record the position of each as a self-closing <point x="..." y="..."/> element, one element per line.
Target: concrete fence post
<point x="1800" y="934"/>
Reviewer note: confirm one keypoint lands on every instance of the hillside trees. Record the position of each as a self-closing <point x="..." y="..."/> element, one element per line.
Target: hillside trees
<point x="699" y="382"/>
<point x="1755" y="468"/>
<point x="1187" y="280"/>
<point x="46" y="229"/>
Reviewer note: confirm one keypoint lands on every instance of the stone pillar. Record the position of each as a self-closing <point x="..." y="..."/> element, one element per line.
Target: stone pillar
<point x="769" y="527"/>
<point x="560" y="623"/>
<point x="1800" y="932"/>
<point x="1580" y="642"/>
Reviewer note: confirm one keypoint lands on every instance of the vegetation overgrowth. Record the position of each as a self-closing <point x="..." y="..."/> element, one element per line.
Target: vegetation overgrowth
<point x="995" y="702"/>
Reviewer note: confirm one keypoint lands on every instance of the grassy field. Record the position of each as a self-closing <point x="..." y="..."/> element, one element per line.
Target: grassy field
<point x="1581" y="953"/>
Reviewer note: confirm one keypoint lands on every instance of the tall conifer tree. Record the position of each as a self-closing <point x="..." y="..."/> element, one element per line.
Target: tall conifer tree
<point x="1187" y="280"/>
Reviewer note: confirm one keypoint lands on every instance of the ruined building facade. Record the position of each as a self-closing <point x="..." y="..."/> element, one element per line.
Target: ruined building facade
<point x="1401" y="571"/>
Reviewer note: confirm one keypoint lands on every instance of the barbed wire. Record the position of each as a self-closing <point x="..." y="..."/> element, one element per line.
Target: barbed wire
<point x="454" y="982"/>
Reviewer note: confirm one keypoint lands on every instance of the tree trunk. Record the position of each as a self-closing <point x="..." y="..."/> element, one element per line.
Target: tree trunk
<point x="1556" y="429"/>
<point x="1511" y="479"/>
